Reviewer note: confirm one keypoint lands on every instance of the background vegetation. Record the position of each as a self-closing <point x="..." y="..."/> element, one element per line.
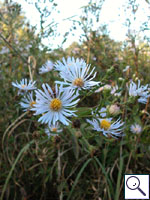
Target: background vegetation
<point x="79" y="164"/>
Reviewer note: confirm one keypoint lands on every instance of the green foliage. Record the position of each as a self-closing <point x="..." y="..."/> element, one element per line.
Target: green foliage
<point x="79" y="163"/>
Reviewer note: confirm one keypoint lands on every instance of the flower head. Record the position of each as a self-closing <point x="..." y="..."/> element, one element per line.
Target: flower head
<point x="136" y="128"/>
<point x="69" y="63"/>
<point x="24" y="85"/>
<point x="28" y="102"/>
<point x="107" y="127"/>
<point x="101" y="112"/>
<point x="48" y="66"/>
<point x="76" y="75"/>
<point x="53" y="130"/>
<point x="140" y="91"/>
<point x="55" y="107"/>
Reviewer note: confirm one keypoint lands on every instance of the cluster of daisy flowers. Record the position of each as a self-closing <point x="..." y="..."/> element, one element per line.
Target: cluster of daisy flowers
<point x="57" y="105"/>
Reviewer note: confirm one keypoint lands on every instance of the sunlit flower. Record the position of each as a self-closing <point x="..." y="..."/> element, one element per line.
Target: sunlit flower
<point x="77" y="76"/>
<point x="114" y="109"/>
<point x="24" y="85"/>
<point x="107" y="127"/>
<point x="53" y="130"/>
<point x="136" y="128"/>
<point x="47" y="67"/>
<point x="139" y="90"/>
<point x="28" y="102"/>
<point x="54" y="107"/>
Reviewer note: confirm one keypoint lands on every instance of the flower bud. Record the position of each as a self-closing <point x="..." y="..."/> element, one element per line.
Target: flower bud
<point x="114" y="109"/>
<point x="107" y="87"/>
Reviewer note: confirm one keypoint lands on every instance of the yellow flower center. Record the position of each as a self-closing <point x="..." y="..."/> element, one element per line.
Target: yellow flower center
<point x="78" y="82"/>
<point x="54" y="130"/>
<point x="32" y="104"/>
<point x="55" y="104"/>
<point x="105" y="124"/>
<point x="23" y="86"/>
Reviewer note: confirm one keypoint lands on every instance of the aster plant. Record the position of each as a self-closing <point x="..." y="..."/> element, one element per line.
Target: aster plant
<point x="76" y="74"/>
<point x="28" y="102"/>
<point x="47" y="67"/>
<point x="140" y="91"/>
<point x="107" y="127"/>
<point x="55" y="107"/>
<point x="53" y="130"/>
<point x="25" y="85"/>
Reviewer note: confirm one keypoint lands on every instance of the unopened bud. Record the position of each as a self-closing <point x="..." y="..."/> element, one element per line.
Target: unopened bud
<point x="114" y="109"/>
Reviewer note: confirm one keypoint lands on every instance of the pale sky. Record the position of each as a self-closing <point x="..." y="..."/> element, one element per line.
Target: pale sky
<point x="112" y="14"/>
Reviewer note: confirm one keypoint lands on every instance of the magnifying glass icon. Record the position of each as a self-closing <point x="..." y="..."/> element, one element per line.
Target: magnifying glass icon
<point x="133" y="183"/>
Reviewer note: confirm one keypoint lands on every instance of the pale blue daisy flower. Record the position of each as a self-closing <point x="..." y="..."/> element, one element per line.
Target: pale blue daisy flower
<point x="47" y="67"/>
<point x="136" y="128"/>
<point x="102" y="112"/>
<point x="69" y="63"/>
<point x="140" y="91"/>
<point x="107" y="127"/>
<point x="28" y="102"/>
<point x="24" y="85"/>
<point x="78" y="76"/>
<point x="53" y="130"/>
<point x="55" y="106"/>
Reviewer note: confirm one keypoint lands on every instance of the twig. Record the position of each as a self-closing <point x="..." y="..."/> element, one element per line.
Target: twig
<point x="31" y="72"/>
<point x="16" y="52"/>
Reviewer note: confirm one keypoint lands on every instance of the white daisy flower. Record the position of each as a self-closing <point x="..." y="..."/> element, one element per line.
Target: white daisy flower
<point x="47" y="67"/>
<point x="28" y="102"/>
<point x="24" y="85"/>
<point x="53" y="130"/>
<point x="136" y="128"/>
<point x="54" y="107"/>
<point x="69" y="63"/>
<point x="139" y="90"/>
<point x="101" y="112"/>
<point x="77" y="77"/>
<point x="107" y="127"/>
<point x="133" y="89"/>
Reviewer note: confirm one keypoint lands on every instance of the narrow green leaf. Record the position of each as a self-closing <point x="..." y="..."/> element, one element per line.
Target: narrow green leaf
<point x="13" y="167"/>
<point x="78" y="176"/>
